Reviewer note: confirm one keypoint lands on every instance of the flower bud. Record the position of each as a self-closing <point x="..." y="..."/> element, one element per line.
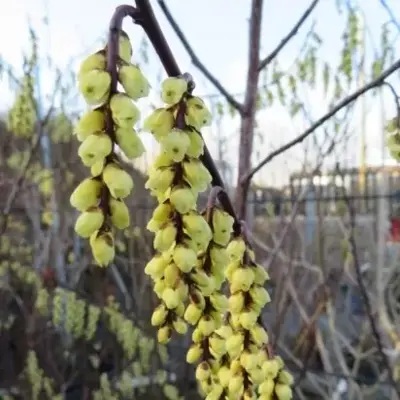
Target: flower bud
<point x="119" y="214"/>
<point x="183" y="199"/>
<point x="248" y="319"/>
<point x="95" y="148"/>
<point x="159" y="315"/>
<point x="235" y="385"/>
<point x="219" y="302"/>
<point x="94" y="61"/>
<point x="196" y="174"/>
<point x="95" y="86"/>
<point x="159" y="287"/>
<point x="194" y="353"/>
<point x="225" y="331"/>
<point x="259" y="296"/>
<point x="234" y="344"/>
<point x="196" y="146"/>
<point x="236" y="302"/>
<point x="124" y="47"/>
<point x="219" y="256"/>
<point x="259" y="335"/>
<point x="193" y="314"/>
<point x="86" y="195"/>
<point x="203" y="371"/>
<point x="180" y="326"/>
<point x="172" y="90"/>
<point x="248" y="361"/>
<point x="197" y="227"/>
<point x="102" y="244"/>
<point x="156" y="267"/>
<point x="215" y="393"/>
<point x="165" y="237"/>
<point x="164" y="334"/>
<point x="242" y="279"/>
<point x="270" y="369"/>
<point x="159" y="123"/>
<point x="207" y="325"/>
<point x="267" y="387"/>
<point x="222" y="226"/>
<point x="89" y="221"/>
<point x="217" y="346"/>
<point x="175" y="144"/>
<point x="283" y="392"/>
<point x="129" y="142"/>
<point x="285" y="378"/>
<point x="163" y="212"/>
<point x="124" y="112"/>
<point x="256" y="376"/>
<point x="260" y="275"/>
<point x="90" y="123"/>
<point x="97" y="168"/>
<point x="184" y="257"/>
<point x="118" y="181"/>
<point x="161" y="179"/>
<point x="133" y="81"/>
<point x="224" y="375"/>
<point x="170" y="298"/>
<point x="171" y="274"/>
<point x="197" y="114"/>
<point x="236" y="249"/>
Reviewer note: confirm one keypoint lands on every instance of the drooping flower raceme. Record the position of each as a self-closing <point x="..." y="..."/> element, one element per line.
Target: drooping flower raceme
<point x="109" y="122"/>
<point x="246" y="339"/>
<point x="207" y="315"/>
<point x="181" y="233"/>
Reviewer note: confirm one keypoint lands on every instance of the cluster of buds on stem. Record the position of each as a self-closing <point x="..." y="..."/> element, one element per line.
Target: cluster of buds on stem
<point x="109" y="122"/>
<point x="182" y="234"/>
<point x="208" y="346"/>
<point x="245" y="369"/>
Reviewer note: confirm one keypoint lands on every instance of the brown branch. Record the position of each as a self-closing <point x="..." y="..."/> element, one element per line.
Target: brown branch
<point x="267" y="60"/>
<point x="248" y="118"/>
<point x="195" y="60"/>
<point x="345" y="102"/>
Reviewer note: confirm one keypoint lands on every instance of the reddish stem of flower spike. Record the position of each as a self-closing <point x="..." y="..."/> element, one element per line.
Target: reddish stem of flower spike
<point x="144" y="16"/>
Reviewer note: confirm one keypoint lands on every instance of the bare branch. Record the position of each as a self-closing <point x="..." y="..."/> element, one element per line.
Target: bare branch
<point x="196" y="61"/>
<point x="267" y="60"/>
<point x="345" y="102"/>
<point x="248" y="118"/>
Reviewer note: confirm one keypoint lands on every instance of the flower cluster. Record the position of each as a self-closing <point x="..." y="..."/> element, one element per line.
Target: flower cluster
<point x="276" y="381"/>
<point x="110" y="122"/>
<point x="181" y="233"/>
<point x="207" y="314"/>
<point x="244" y="368"/>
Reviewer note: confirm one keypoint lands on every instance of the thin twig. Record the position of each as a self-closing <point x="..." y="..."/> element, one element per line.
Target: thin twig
<point x="195" y="59"/>
<point x="267" y="60"/>
<point x="345" y="102"/>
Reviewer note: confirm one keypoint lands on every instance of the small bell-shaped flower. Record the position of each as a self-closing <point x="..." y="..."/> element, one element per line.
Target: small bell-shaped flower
<point x="86" y="194"/>
<point x="90" y="123"/>
<point x="133" y="81"/>
<point x="89" y="221"/>
<point x="124" y="112"/>
<point x="129" y="142"/>
<point x="102" y="244"/>
<point x="119" y="214"/>
<point x="172" y="90"/>
<point x="95" y="148"/>
<point x="95" y="86"/>
<point x="118" y="181"/>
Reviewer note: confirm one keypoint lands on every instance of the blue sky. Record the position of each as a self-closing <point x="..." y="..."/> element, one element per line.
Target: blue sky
<point x="216" y="29"/>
